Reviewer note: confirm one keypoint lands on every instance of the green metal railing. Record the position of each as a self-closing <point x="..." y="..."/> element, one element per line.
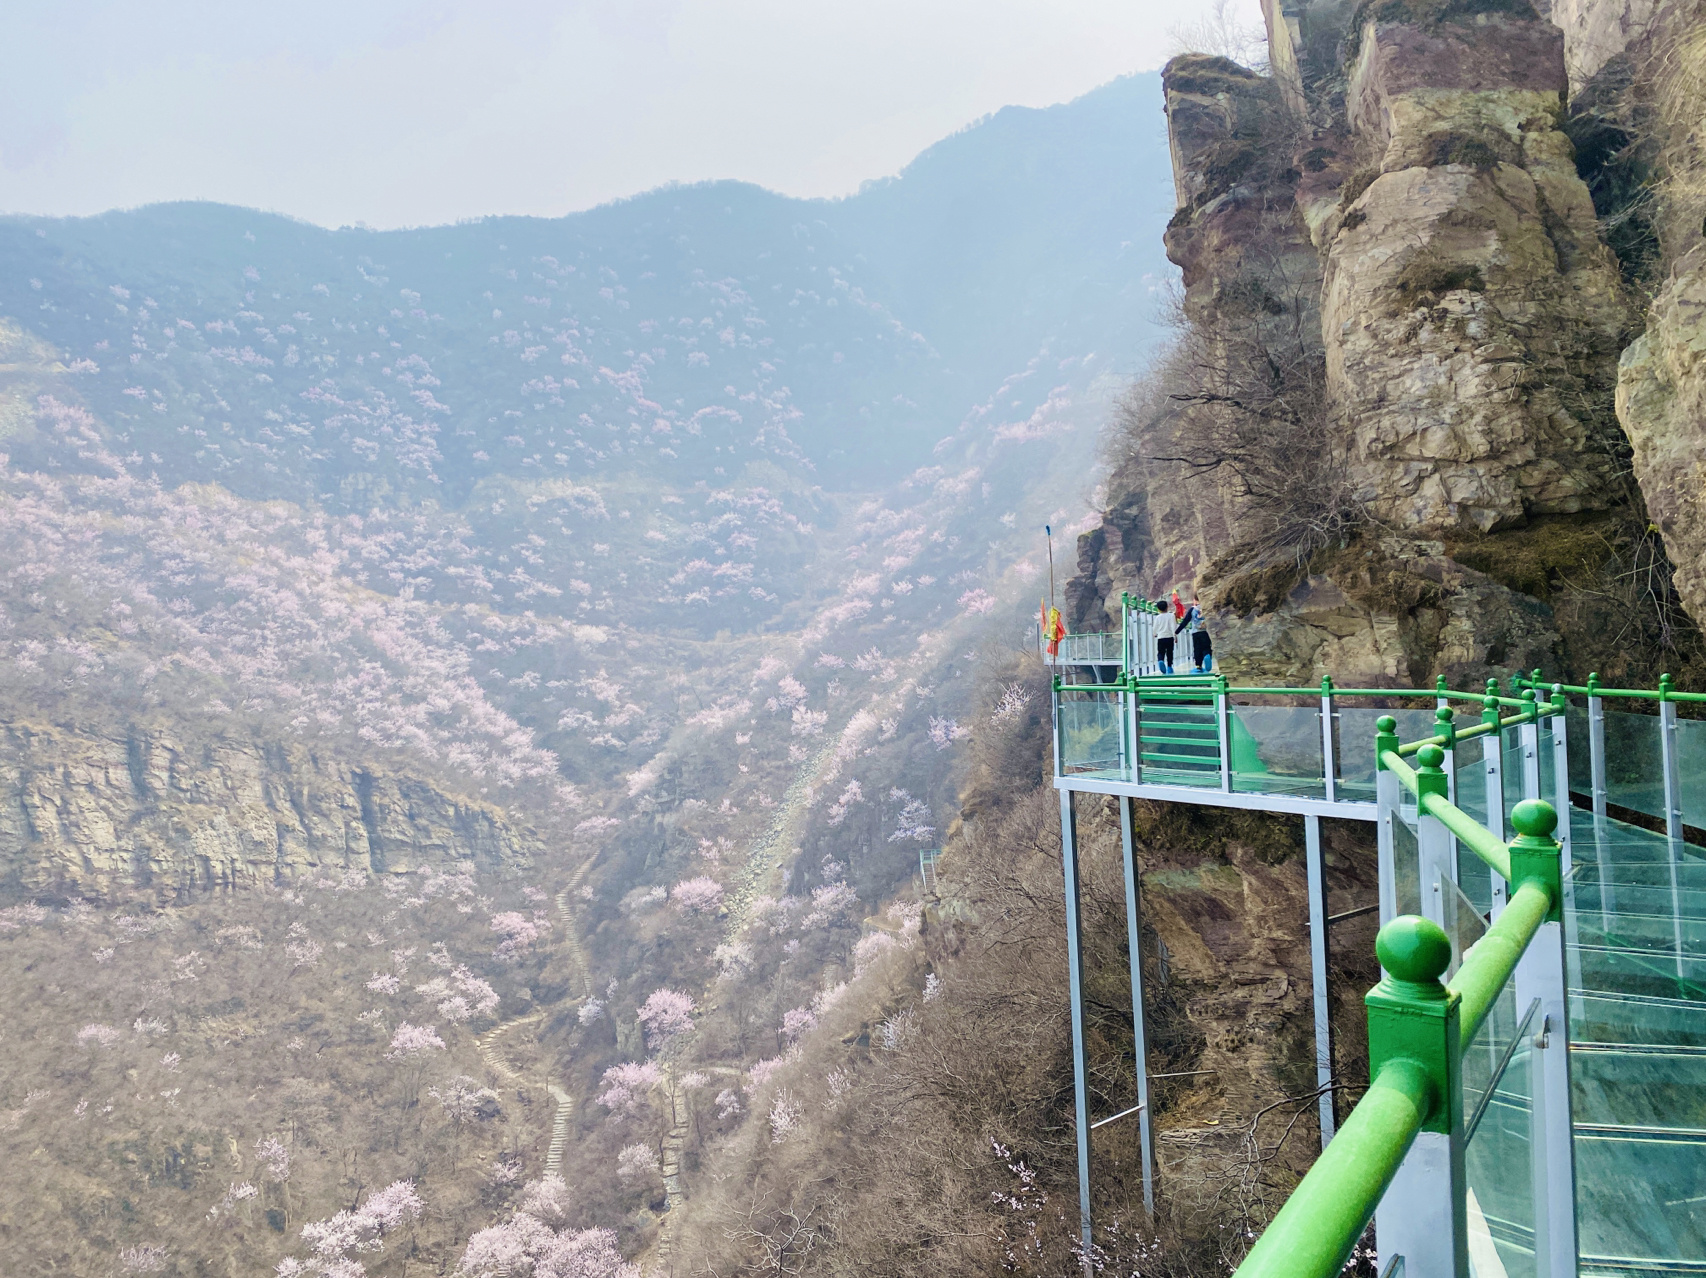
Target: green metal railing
<point x="1504" y="1016"/>
<point x="1417" y="1028"/>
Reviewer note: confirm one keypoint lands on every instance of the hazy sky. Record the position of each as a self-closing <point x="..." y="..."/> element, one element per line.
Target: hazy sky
<point x="407" y="112"/>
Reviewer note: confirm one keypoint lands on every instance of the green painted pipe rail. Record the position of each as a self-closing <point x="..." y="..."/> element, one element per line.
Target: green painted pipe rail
<point x="1495" y="956"/>
<point x="1314" y="1232"/>
<point x="1430" y="693"/>
<point x="1664" y="692"/>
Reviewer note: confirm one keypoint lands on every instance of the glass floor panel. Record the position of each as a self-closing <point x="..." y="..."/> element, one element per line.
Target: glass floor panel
<point x="1635" y="928"/>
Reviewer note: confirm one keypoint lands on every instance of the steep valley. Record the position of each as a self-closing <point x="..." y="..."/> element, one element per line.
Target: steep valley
<point x="523" y="745"/>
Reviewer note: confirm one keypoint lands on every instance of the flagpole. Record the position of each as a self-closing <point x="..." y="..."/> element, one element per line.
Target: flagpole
<point x="1049" y="533"/>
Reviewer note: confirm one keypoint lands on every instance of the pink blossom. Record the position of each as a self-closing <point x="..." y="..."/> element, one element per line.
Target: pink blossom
<point x="636" y="1163"/>
<point x="272" y="1154"/>
<point x="627" y="1087"/>
<point x="547" y="1200"/>
<point x="98" y="1036"/>
<point x="519" y="932"/>
<point x="701" y="895"/>
<point x="411" y="1041"/>
<point x="797" y="1022"/>
<point x="665" y="1014"/>
<point x="944" y="732"/>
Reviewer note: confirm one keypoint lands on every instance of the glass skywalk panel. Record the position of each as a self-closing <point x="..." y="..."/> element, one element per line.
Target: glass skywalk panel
<point x="1090" y="733"/>
<point x="1277" y="750"/>
<point x="1637" y="927"/>
<point x="1498" y="1120"/>
<point x="1355" y="732"/>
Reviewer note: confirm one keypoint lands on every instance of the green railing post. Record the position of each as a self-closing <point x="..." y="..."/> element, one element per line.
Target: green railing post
<point x="1414" y="1021"/>
<point x="1535" y="855"/>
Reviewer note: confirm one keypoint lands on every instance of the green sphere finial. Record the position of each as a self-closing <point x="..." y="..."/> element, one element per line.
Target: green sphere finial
<point x="1431" y="757"/>
<point x="1414" y="949"/>
<point x="1534" y="818"/>
<point x="1443" y="715"/>
<point x="1386" y="723"/>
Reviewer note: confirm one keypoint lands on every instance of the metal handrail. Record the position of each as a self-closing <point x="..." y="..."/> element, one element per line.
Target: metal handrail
<point x="1314" y="1232"/>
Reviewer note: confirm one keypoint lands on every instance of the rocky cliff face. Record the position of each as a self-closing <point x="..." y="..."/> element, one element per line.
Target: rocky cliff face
<point x="1471" y="316"/>
<point x="1396" y="273"/>
<point x="1661" y="401"/>
<point x="1657" y="74"/>
<point x="152" y="810"/>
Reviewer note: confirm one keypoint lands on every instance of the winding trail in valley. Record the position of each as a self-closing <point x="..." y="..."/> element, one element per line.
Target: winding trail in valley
<point x="769" y="849"/>
<point x="492" y="1044"/>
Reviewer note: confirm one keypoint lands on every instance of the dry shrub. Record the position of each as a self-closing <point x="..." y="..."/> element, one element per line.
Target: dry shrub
<point x="1678" y="75"/>
<point x="1240" y="403"/>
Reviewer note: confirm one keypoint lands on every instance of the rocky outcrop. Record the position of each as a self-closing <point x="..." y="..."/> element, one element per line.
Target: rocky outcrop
<point x="1405" y="174"/>
<point x="1394" y="615"/>
<point x="1596" y="31"/>
<point x="101" y="814"/>
<point x="1661" y="401"/>
<point x="1471" y="316"/>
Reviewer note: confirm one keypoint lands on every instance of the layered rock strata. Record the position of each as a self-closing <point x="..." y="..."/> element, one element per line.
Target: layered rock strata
<point x="99" y="814"/>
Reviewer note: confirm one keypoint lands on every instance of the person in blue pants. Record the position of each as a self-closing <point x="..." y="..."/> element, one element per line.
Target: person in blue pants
<point x="1202" y="647"/>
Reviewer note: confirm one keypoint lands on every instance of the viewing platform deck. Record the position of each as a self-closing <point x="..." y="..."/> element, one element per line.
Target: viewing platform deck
<point x="1591" y="1160"/>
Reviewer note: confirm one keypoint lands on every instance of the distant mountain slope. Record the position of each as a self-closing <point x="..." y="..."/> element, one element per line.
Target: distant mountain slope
<point x="887" y="313"/>
<point x="643" y="564"/>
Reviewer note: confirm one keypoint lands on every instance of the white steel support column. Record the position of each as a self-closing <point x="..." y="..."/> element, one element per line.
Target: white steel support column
<point x="1075" y="990"/>
<point x="1140" y="1042"/>
<point x="1673" y="812"/>
<point x="1421" y="1216"/>
<point x="1673" y="774"/>
<point x="1386" y="789"/>
<point x="1125" y="738"/>
<point x="1493" y="761"/>
<point x="1596" y="754"/>
<point x="1540" y="974"/>
<point x="1596" y="770"/>
<point x="1561" y="787"/>
<point x="1318" y="975"/>
<point x="1223" y="715"/>
<point x="1529" y="735"/>
<point x="1329" y="760"/>
<point x="1134" y="718"/>
<point x="1436" y="865"/>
